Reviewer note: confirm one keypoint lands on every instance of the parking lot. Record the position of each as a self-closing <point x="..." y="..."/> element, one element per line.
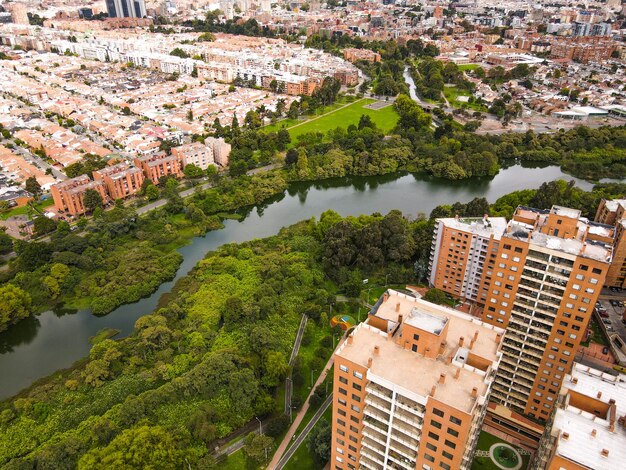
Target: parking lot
<point x="610" y="311"/>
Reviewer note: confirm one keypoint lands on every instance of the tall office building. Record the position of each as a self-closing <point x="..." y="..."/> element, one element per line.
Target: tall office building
<point x="126" y="8"/>
<point x="411" y="387"/>
<point x="549" y="271"/>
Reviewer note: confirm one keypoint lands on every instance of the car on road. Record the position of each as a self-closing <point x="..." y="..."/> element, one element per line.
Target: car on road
<point x="603" y="314"/>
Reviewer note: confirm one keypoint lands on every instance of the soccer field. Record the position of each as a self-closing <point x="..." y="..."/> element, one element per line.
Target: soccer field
<point x="385" y="118"/>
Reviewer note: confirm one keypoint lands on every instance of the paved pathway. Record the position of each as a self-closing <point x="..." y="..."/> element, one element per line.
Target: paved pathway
<point x="292" y="359"/>
<point x="324" y="115"/>
<point x="300" y="416"/>
<point x="305" y="432"/>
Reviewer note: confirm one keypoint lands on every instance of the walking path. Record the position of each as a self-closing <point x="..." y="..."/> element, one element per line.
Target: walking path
<point x="305" y="432"/>
<point x="300" y="416"/>
<point x="292" y="359"/>
<point x="325" y="114"/>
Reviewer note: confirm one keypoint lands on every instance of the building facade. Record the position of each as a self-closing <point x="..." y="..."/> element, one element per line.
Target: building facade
<point x="69" y="195"/>
<point x="461" y="249"/>
<point x="121" y="180"/>
<point x="614" y="213"/>
<point x="126" y="8"/>
<point x="156" y="166"/>
<point x="411" y="387"/>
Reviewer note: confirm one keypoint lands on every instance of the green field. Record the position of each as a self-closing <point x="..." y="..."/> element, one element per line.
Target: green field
<point x="452" y="94"/>
<point x="23" y="210"/>
<point x="385" y="118"/>
<point x="468" y="66"/>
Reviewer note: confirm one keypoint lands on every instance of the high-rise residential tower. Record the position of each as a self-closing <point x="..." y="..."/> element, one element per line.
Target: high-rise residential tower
<point x="126" y="8"/>
<point x="411" y="387"/>
<point x="548" y="274"/>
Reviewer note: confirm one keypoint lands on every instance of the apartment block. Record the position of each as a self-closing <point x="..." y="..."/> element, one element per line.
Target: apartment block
<point x="221" y="150"/>
<point x="156" y="166"/>
<point x="68" y="195"/>
<point x="614" y="213"/>
<point x="196" y="154"/>
<point x="550" y="268"/>
<point x="121" y="180"/>
<point x="462" y="248"/>
<point x="411" y="387"/>
<point x="589" y="426"/>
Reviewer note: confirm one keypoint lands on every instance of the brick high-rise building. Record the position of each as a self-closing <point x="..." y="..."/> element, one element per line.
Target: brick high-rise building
<point x="549" y="271"/>
<point x="614" y="213"/>
<point x="539" y="277"/>
<point x="155" y="166"/>
<point x="121" y="180"/>
<point x="462" y="248"/>
<point x="68" y="195"/>
<point x="589" y="425"/>
<point x="411" y="387"/>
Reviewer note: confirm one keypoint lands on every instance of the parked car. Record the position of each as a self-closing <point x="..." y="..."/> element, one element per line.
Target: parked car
<point x="606" y="321"/>
<point x="603" y="314"/>
<point x="605" y="350"/>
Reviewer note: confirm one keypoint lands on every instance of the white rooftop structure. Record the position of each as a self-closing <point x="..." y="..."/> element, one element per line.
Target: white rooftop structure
<point x="593" y="440"/>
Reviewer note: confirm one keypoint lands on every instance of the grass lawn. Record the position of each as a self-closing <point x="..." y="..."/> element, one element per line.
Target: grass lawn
<point x="485" y="441"/>
<point x="452" y="94"/>
<point x="22" y="210"/>
<point x="385" y="118"/>
<point x="287" y="122"/>
<point x="468" y="66"/>
<point x="235" y="461"/>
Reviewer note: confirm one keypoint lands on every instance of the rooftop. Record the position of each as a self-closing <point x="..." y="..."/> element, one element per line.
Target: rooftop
<point x="416" y="373"/>
<point x="581" y="444"/>
<point x="478" y="225"/>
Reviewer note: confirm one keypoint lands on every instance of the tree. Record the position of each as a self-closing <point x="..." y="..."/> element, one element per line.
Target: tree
<point x="178" y="52"/>
<point x="32" y="186"/>
<point x="291" y="158"/>
<point x="386" y="86"/>
<point x="319" y="442"/>
<point x="436" y="296"/>
<point x="43" y="225"/>
<point x="6" y="243"/>
<point x="126" y="111"/>
<point x="253" y="120"/>
<point x="152" y="192"/>
<point x="257" y="448"/>
<point x="15" y="305"/>
<point x="92" y="200"/>
<point x="192" y="171"/>
<point x="148" y="447"/>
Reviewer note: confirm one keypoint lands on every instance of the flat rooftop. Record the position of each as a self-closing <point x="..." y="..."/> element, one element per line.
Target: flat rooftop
<point x="494" y="225"/>
<point x="565" y="212"/>
<point x="581" y="446"/>
<point x="613" y="204"/>
<point x="572" y="246"/>
<point x="411" y="371"/>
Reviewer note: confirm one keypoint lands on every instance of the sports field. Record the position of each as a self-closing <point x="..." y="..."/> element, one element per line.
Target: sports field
<point x="385" y="118"/>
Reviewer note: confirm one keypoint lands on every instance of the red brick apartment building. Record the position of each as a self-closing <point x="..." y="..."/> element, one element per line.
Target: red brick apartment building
<point x="411" y="387"/>
<point x="68" y="195"/>
<point x="121" y="180"/>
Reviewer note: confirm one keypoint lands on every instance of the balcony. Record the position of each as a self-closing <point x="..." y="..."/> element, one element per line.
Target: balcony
<point x="405" y="440"/>
<point x="369" y="464"/>
<point x="375" y="413"/>
<point x="377" y="425"/>
<point x="405" y="429"/>
<point x="375" y="435"/>
<point x="399" y="462"/>
<point x="409" y="419"/>
<point x="378" y="391"/>
<point x="405" y="451"/>
<point x="410" y="406"/>
<point x="375" y="459"/>
<point x="374" y="446"/>
<point x="378" y="403"/>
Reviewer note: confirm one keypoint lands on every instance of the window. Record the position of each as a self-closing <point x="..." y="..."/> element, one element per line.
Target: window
<point x="353" y="439"/>
<point x="339" y="459"/>
<point x="357" y="387"/>
<point x="445" y="466"/>
<point x="447" y="455"/>
<point x="358" y="375"/>
<point x="343" y="368"/>
<point x="435" y="424"/>
<point x="431" y="447"/>
<point x="356" y="408"/>
<point x="341" y="412"/>
<point x="450" y="444"/>
<point x="416" y="337"/>
<point x="343" y="380"/>
<point x="432" y="435"/>
<point x="352" y="448"/>
<point x="341" y="442"/>
<point x="341" y="432"/>
<point x="455" y="420"/>
<point x="341" y="422"/>
<point x="356" y="398"/>
<point x="438" y="412"/>
<point x="343" y="391"/>
<point x="430" y="458"/>
<point x="342" y="401"/>
<point x="354" y="429"/>
<point x="354" y="419"/>
<point x="452" y="432"/>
